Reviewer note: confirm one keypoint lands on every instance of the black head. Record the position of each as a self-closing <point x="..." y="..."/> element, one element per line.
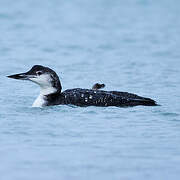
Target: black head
<point x="41" y="75"/>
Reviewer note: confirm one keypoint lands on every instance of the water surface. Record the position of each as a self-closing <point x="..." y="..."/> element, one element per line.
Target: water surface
<point x="128" y="45"/>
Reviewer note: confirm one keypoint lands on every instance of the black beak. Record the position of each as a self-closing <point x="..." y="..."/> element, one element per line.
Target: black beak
<point x="21" y="76"/>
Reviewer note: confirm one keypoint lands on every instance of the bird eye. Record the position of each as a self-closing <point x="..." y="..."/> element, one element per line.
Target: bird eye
<point x="38" y="73"/>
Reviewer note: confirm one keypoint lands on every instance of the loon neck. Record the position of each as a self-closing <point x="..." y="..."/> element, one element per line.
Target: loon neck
<point x="45" y="92"/>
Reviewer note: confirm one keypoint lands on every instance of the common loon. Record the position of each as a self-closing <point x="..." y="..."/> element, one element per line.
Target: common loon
<point x="50" y="92"/>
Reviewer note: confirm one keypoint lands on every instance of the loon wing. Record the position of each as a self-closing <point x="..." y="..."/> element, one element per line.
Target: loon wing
<point x="88" y="97"/>
<point x="135" y="98"/>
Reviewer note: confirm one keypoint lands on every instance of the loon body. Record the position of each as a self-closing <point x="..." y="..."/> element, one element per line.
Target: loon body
<point x="50" y="92"/>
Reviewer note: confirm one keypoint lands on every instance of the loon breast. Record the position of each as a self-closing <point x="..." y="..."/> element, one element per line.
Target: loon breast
<point x="40" y="101"/>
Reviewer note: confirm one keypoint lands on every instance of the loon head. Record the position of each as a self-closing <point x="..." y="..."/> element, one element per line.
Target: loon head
<point x="45" y="77"/>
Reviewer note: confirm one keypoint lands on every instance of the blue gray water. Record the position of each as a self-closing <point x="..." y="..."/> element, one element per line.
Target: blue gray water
<point x="131" y="45"/>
